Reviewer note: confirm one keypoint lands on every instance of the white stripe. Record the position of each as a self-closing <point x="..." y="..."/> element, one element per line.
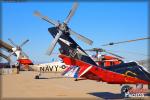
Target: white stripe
<point x="65" y="41"/>
<point x="85" y="70"/>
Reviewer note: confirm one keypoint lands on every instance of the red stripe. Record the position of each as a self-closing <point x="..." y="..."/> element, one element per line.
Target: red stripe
<point x="25" y="61"/>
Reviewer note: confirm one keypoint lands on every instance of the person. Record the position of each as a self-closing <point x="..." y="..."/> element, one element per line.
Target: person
<point x="76" y="74"/>
<point x="18" y="68"/>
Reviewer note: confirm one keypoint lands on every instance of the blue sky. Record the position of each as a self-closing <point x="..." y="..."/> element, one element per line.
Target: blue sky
<point x="102" y="22"/>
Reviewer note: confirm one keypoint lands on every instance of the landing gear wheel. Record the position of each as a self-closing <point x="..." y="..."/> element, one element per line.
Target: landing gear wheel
<point x="37" y="77"/>
<point x="76" y="79"/>
<point x="125" y="89"/>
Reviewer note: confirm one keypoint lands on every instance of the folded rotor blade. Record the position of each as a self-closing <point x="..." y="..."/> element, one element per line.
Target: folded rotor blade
<point x="53" y="43"/>
<point x="12" y="42"/>
<point x="71" y="13"/>
<point x="4" y="56"/>
<point x="24" y="54"/>
<point x="11" y="53"/>
<point x="36" y="13"/>
<point x="24" y="43"/>
<point x="112" y="43"/>
<point x="95" y="49"/>
<point x="114" y="54"/>
<point x="84" y="39"/>
<point x="89" y="50"/>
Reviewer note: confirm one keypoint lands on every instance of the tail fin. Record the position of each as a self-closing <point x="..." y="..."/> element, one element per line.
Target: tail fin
<point x="70" y="48"/>
<point x="22" y="58"/>
<point x="17" y="52"/>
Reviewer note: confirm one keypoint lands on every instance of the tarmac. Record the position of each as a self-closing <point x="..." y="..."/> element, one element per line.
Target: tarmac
<point x="54" y="86"/>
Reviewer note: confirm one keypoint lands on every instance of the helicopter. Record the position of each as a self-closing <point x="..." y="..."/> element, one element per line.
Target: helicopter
<point x="105" y="59"/>
<point x="83" y="65"/>
<point x="24" y="63"/>
<point x="23" y="60"/>
<point x="109" y="58"/>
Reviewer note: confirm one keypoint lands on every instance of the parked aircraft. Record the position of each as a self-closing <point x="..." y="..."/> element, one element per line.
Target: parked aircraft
<point x="52" y="67"/>
<point x="105" y="59"/>
<point x="24" y="63"/>
<point x="72" y="54"/>
<point x="16" y="50"/>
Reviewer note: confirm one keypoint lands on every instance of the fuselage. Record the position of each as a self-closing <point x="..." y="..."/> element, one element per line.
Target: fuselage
<point x="49" y="67"/>
<point x="72" y="54"/>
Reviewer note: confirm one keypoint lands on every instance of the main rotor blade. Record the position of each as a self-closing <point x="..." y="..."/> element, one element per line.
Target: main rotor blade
<point x="11" y="53"/>
<point x="53" y="43"/>
<point x="114" y="54"/>
<point x="84" y="39"/>
<point x="36" y="13"/>
<point x="12" y="42"/>
<point x="88" y="50"/>
<point x="25" y="54"/>
<point x="24" y="43"/>
<point x="95" y="49"/>
<point x="5" y="57"/>
<point x="71" y="13"/>
<point x="112" y="43"/>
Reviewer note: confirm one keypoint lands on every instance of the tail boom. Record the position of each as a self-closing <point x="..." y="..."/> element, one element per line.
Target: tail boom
<point x="102" y="74"/>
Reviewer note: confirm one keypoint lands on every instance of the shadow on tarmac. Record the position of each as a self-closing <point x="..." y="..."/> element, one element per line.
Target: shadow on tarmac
<point x="107" y="95"/>
<point x="50" y="78"/>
